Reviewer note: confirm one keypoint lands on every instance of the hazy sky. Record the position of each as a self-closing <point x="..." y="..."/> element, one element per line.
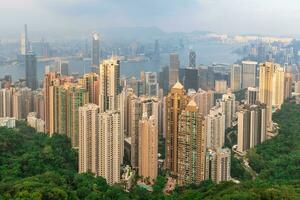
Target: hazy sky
<point x="272" y="17"/>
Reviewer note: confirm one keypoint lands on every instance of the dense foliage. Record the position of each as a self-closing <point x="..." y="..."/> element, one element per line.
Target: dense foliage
<point x="34" y="166"/>
<point x="279" y="158"/>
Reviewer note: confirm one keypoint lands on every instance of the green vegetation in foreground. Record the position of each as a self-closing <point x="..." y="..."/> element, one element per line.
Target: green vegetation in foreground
<point x="279" y="158"/>
<point x="34" y="166"/>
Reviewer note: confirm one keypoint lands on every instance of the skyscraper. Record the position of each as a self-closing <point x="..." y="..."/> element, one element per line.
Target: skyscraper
<point x="64" y="67"/>
<point x="109" y="86"/>
<point x="151" y="84"/>
<point x="135" y="114"/>
<point x="252" y="95"/>
<point x="125" y="105"/>
<point x="6" y="100"/>
<point x="251" y="127"/>
<point x="148" y="147"/>
<point x="173" y="69"/>
<point x="278" y="87"/>
<point x="22" y="103"/>
<point x="297" y="87"/>
<point x="49" y="80"/>
<point x="76" y="96"/>
<point x="191" y="78"/>
<point x="236" y="77"/>
<point x="110" y="146"/>
<point x="205" y="101"/>
<point x="249" y="74"/>
<point x="139" y="105"/>
<point x="91" y="82"/>
<point x="65" y="100"/>
<point x="176" y="102"/>
<point x="266" y="71"/>
<point x="206" y="78"/>
<point x="215" y="128"/>
<point x="38" y="104"/>
<point x="192" y="59"/>
<point x="191" y="146"/>
<point x="164" y="79"/>
<point x="218" y="165"/>
<point x="271" y="88"/>
<point x="287" y="83"/>
<point x="24" y="43"/>
<point x="221" y="86"/>
<point x="227" y="104"/>
<point x="31" y="70"/>
<point x="89" y="139"/>
<point x="95" y="50"/>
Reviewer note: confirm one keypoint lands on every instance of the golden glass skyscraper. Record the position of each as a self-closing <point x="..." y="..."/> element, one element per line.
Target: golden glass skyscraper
<point x="176" y="102"/>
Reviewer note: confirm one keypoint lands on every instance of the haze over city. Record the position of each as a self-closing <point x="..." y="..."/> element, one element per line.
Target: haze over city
<point x="75" y="17"/>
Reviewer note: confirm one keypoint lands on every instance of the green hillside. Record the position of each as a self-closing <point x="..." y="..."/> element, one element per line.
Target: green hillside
<point x="34" y="166"/>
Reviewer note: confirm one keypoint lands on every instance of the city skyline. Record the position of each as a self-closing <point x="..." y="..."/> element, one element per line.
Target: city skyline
<point x="148" y="112"/>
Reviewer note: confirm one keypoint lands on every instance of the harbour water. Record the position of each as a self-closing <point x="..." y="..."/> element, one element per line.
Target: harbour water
<point x="207" y="53"/>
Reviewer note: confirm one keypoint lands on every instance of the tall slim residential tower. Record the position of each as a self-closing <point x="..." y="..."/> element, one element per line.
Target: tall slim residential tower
<point x="89" y="139"/>
<point x="95" y="50"/>
<point x="215" y="128"/>
<point x="278" y="87"/>
<point x="227" y="104"/>
<point x="22" y="103"/>
<point x="191" y="146"/>
<point x="176" y="102"/>
<point x="24" y="43"/>
<point x="205" y="101"/>
<point x="110" y="146"/>
<point x="192" y="59"/>
<point x="148" y="147"/>
<point x="31" y="71"/>
<point x="6" y="101"/>
<point x="173" y="69"/>
<point x="109" y="86"/>
<point x="287" y="83"/>
<point x="138" y="106"/>
<point x="236" y="77"/>
<point x="249" y="74"/>
<point x="267" y="72"/>
<point x="91" y="83"/>
<point x="50" y="79"/>
<point x="76" y="96"/>
<point x="135" y="113"/>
